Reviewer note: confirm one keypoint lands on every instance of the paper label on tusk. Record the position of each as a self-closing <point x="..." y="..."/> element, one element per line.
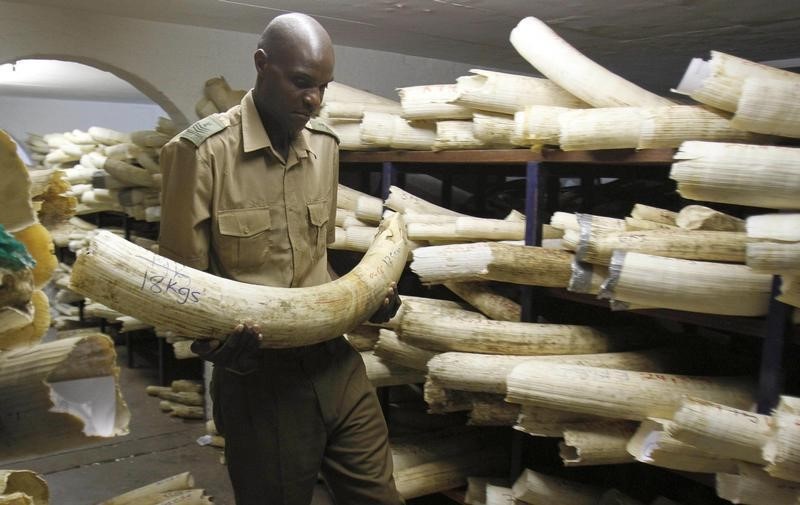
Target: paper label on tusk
<point x="649" y="444"/>
<point x="93" y="401"/>
<point x="698" y="71"/>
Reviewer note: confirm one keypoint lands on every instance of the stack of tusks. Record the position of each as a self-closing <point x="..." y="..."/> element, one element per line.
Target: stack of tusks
<point x="108" y="170"/>
<point x="29" y="260"/>
<point x="438" y="461"/>
<point x="178" y="489"/>
<point x="763" y="99"/>
<point x="344" y="108"/>
<point x="756" y="176"/>
<point x="538" y="488"/>
<point x="472" y="362"/>
<point x="579" y="106"/>
<point x="217" y="97"/>
<point x="667" y="267"/>
<point x="57" y="395"/>
<point x="182" y="398"/>
<point x="686" y="260"/>
<point x="775" y="250"/>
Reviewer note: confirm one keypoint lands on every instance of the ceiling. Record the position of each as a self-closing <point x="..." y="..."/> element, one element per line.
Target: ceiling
<point x="34" y="78"/>
<point x="647" y="41"/>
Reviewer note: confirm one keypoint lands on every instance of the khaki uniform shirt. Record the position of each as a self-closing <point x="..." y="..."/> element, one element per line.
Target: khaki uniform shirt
<point x="232" y="205"/>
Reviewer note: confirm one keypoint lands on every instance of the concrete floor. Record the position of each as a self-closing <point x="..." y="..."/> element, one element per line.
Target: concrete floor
<point x="157" y="446"/>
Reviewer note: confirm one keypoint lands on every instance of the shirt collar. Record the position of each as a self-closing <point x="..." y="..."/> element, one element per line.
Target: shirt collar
<point x="255" y="136"/>
<point x="253" y="133"/>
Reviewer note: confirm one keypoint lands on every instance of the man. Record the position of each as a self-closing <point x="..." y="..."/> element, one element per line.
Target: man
<point x="250" y="194"/>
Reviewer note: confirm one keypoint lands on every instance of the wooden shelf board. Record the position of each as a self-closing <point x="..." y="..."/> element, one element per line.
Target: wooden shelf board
<point x="512" y="156"/>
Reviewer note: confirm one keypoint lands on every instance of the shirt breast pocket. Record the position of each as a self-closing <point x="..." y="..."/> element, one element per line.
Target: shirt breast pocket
<point x="318" y="216"/>
<point x="244" y="237"/>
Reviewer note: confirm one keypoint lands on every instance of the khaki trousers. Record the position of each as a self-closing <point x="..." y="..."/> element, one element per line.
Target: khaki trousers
<point x="305" y="410"/>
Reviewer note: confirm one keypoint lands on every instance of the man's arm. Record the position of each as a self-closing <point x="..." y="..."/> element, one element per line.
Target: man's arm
<point x="186" y="195"/>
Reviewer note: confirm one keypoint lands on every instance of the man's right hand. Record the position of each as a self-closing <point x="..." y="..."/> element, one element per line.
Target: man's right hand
<point x="239" y="353"/>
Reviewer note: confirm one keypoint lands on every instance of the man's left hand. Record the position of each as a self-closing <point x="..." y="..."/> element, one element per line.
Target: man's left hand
<point x="389" y="307"/>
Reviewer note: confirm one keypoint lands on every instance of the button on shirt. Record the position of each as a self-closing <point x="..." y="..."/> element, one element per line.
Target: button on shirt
<point x="232" y="205"/>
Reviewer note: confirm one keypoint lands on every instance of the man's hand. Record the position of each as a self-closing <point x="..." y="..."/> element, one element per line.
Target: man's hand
<point x="389" y="308"/>
<point x="239" y="353"/>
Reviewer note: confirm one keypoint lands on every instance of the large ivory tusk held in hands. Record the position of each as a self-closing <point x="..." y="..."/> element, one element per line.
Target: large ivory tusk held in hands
<point x="196" y="304"/>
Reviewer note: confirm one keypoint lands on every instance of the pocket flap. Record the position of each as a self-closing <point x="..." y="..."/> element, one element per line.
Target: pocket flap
<point x="319" y="213"/>
<point x="243" y="222"/>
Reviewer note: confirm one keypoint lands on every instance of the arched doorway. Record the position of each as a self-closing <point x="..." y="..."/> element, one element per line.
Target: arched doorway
<point x="142" y="85"/>
<point x="51" y="95"/>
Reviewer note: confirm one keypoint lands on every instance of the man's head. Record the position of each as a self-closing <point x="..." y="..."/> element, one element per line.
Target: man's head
<point x="294" y="64"/>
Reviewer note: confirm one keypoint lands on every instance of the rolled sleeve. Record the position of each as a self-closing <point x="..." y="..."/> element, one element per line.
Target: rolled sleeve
<point x="186" y="197"/>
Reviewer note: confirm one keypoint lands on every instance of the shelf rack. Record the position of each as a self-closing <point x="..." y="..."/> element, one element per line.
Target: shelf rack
<point x="542" y="170"/>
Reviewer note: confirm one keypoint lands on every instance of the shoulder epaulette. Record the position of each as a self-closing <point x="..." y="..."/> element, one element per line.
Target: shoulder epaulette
<point x="201" y="130"/>
<point x="317" y="125"/>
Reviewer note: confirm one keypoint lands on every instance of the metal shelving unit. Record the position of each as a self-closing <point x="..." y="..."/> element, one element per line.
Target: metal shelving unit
<point x="542" y="171"/>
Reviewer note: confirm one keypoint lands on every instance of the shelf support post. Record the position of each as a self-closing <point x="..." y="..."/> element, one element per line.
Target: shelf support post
<point x="387" y="178"/>
<point x="534" y="188"/>
<point x="771" y="372"/>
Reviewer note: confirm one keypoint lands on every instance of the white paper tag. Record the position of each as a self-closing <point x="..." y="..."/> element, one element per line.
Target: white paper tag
<point x="93" y="401"/>
<point x="698" y="71"/>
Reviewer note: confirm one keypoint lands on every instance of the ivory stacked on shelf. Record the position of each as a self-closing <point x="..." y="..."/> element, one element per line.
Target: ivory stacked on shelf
<point x="537" y="488"/>
<point x="646" y="261"/>
<point x="655" y="258"/>
<point x="344" y="109"/>
<point x="108" y="170"/>
<point x="755" y="456"/>
<point x="581" y="106"/>
<point x="625" y="116"/>
<point x="578" y="106"/>
<point x="55" y="395"/>
<point x="758" y="176"/>
<point x="775" y="249"/>
<point x="763" y="99"/>
<point x="437" y="461"/>
<point x="182" y="398"/>
<point x="178" y="489"/>
<point x="595" y="401"/>
<point x="217" y="97"/>
<point x="28" y="261"/>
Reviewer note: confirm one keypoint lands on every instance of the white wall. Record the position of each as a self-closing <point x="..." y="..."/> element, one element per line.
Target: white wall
<point x="21" y="115"/>
<point x="169" y="63"/>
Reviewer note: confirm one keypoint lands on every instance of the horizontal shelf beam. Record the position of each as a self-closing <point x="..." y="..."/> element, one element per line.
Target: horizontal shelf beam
<point x="751" y="326"/>
<point x="513" y="156"/>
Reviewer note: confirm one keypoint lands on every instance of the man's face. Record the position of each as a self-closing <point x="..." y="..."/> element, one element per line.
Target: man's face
<point x="291" y="86"/>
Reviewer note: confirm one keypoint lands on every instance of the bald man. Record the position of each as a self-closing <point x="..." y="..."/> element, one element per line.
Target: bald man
<point x="250" y="195"/>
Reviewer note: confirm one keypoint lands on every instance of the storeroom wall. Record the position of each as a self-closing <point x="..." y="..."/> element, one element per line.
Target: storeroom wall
<point x="23" y="115"/>
<point x="169" y="62"/>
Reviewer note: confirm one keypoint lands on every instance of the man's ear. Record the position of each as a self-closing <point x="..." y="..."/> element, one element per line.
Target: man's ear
<point x="260" y="60"/>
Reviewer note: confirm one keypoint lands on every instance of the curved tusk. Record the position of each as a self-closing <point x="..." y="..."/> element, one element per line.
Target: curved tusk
<point x="196" y="304"/>
<point x="563" y="64"/>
